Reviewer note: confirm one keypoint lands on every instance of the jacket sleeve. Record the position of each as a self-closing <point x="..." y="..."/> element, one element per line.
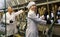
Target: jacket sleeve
<point x="36" y="19"/>
<point x="19" y="12"/>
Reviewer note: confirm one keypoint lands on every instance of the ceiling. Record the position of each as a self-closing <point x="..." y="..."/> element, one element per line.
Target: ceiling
<point x="12" y="3"/>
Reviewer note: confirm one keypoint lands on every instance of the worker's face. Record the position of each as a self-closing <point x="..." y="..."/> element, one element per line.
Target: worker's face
<point x="10" y="9"/>
<point x="33" y="7"/>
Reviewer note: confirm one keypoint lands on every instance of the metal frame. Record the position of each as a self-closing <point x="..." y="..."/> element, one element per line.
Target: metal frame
<point x="5" y="18"/>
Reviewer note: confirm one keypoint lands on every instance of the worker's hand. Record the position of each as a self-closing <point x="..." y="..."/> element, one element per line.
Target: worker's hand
<point x="42" y="17"/>
<point x="44" y="22"/>
<point x="21" y="11"/>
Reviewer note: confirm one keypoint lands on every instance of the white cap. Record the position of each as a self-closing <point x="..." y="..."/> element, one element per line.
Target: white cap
<point x="30" y="4"/>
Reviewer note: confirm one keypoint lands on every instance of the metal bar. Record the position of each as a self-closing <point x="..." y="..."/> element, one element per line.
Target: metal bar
<point x="5" y="18"/>
<point x="48" y="3"/>
<point x="48" y="8"/>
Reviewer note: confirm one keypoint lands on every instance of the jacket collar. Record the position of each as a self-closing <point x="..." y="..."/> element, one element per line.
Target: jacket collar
<point x="9" y="13"/>
<point x="32" y="11"/>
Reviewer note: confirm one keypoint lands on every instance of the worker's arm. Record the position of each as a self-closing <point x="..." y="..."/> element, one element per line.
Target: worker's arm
<point x="36" y="19"/>
<point x="19" y="12"/>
